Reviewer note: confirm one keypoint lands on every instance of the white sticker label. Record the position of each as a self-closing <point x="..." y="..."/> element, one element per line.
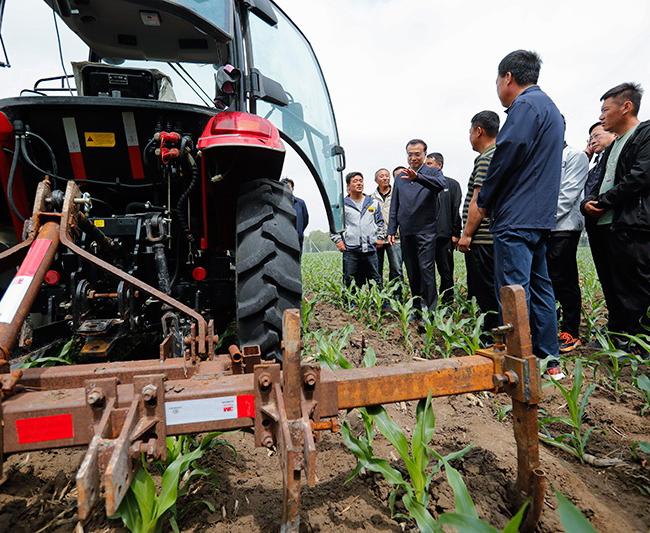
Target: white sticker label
<point x="13" y="297"/>
<point x="205" y="410"/>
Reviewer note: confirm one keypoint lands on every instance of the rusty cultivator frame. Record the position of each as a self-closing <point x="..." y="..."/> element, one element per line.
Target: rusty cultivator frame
<point x="123" y="409"/>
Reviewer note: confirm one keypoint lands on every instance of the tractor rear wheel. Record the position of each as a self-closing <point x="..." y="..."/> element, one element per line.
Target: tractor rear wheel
<point x="267" y="264"/>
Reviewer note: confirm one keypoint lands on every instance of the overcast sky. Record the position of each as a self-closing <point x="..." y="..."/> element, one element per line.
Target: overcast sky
<point x="399" y="69"/>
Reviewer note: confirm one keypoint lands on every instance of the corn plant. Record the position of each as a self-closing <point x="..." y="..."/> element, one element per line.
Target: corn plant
<point x="464" y="333"/>
<point x="144" y="508"/>
<point x="417" y="458"/>
<point x="571" y="517"/>
<point x="405" y="310"/>
<point x="643" y="446"/>
<point x="328" y="347"/>
<point x="501" y="410"/>
<point x="575" y="441"/>
<point x="65" y="356"/>
<point x="617" y="361"/>
<point x="642" y="383"/>
<point x="307" y="310"/>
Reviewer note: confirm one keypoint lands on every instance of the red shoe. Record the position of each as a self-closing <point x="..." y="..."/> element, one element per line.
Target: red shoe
<point x="568" y="342"/>
<point x="554" y="372"/>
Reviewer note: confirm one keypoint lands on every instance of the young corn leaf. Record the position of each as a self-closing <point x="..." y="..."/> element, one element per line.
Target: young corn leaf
<point x="144" y="491"/>
<point x="464" y="503"/>
<point x="572" y="519"/>
<point x="390" y="430"/>
<point x="420" y="514"/>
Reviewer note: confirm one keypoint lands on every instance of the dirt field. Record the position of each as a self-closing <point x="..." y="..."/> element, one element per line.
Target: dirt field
<point x="247" y="496"/>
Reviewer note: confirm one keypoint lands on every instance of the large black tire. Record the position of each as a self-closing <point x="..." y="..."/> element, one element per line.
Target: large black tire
<point x="268" y="264"/>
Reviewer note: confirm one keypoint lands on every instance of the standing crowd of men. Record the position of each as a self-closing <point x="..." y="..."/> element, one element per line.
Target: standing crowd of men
<point x="529" y="197"/>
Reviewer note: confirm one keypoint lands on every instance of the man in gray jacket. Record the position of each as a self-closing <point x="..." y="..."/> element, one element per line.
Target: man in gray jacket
<point x="383" y="194"/>
<point x="364" y="227"/>
<point x="562" y="245"/>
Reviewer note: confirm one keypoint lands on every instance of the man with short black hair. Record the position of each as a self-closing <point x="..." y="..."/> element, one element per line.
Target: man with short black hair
<point x="448" y="227"/>
<point x="383" y="194"/>
<point x="476" y="241"/>
<point x="413" y="211"/>
<point x="620" y="202"/>
<point x="364" y="228"/>
<point x="302" y="215"/>
<point x="520" y="192"/>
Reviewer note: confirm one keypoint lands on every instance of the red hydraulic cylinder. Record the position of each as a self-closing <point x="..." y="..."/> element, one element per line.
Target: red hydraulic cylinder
<point x="19" y="296"/>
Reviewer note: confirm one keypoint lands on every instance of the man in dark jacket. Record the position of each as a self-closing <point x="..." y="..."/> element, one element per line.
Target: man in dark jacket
<point x="520" y="192"/>
<point x="302" y="215"/>
<point x="448" y="227"/>
<point x="621" y="200"/>
<point x="414" y="211"/>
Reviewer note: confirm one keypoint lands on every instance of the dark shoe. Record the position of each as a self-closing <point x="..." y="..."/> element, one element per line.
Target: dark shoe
<point x="568" y="342"/>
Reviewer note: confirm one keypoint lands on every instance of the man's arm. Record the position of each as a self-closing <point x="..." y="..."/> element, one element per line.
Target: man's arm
<point x="431" y="178"/>
<point x="379" y="220"/>
<point x="576" y="171"/>
<point x="338" y="240"/>
<point x="633" y="184"/>
<point x="513" y="143"/>
<point x="392" y="215"/>
<point x="456" y="221"/>
<point x="475" y="216"/>
<point x="305" y="214"/>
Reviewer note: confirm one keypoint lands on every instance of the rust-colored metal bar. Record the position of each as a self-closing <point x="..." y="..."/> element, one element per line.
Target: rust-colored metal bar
<point x="41" y="252"/>
<point x="531" y="482"/>
<point x="290" y="411"/>
<point x="69" y="225"/>
<point x="442" y="377"/>
<point x="291" y="373"/>
<point x="74" y="376"/>
<point x="341" y="389"/>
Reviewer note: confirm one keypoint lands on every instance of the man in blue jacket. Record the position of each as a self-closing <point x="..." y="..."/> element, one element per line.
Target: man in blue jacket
<point x="520" y="193"/>
<point x="414" y="211"/>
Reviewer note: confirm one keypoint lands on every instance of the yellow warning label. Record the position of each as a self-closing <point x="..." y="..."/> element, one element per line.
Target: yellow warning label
<point x="99" y="139"/>
<point x="98" y="223"/>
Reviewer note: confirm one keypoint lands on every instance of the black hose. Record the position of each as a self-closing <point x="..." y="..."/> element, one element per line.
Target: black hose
<point x="47" y="147"/>
<point x="10" y="183"/>
<point x="184" y="197"/>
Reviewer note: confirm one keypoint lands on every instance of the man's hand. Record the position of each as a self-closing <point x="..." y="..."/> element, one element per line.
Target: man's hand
<point x="380" y="243"/>
<point x="454" y="241"/>
<point x="593" y="211"/>
<point x="409" y="174"/>
<point x="341" y="246"/>
<point x="464" y="242"/>
<point x="391" y="240"/>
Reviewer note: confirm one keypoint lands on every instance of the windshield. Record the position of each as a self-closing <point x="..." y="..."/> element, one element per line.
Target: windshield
<point x="218" y="12"/>
<point x="282" y="53"/>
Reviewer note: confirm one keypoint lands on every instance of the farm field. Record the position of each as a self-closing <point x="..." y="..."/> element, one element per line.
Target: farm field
<point x="243" y="492"/>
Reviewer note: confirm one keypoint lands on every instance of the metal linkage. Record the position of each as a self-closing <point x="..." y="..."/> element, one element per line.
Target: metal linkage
<point x="124" y="409"/>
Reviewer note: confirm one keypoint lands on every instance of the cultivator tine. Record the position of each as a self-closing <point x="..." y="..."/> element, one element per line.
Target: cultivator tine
<point x="526" y="392"/>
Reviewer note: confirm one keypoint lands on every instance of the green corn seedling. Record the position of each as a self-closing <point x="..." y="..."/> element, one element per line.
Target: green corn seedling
<point x="575" y="441"/>
<point x="642" y="383"/>
<point x="404" y="310"/>
<point x="308" y="307"/>
<point x="143" y="508"/>
<point x="328" y="347"/>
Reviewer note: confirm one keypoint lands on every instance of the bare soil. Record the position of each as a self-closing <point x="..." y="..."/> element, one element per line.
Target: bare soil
<point x="247" y="495"/>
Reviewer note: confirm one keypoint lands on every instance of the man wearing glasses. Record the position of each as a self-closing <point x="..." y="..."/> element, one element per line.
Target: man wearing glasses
<point x="414" y="212"/>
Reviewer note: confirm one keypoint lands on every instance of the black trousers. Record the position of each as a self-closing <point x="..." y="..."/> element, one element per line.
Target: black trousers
<point x="479" y="262"/>
<point x="630" y="264"/>
<point x="445" y="264"/>
<point x="419" y="255"/>
<point x="561" y="258"/>
<point x="600" y="242"/>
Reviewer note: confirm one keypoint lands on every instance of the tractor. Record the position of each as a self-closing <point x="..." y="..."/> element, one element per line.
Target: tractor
<point x="175" y="223"/>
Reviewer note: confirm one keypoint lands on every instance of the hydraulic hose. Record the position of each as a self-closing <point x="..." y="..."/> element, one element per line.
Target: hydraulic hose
<point x="184" y="197"/>
<point x="10" y="183"/>
<point x="47" y="147"/>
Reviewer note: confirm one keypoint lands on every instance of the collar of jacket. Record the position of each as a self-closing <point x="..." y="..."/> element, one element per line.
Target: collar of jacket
<point x="367" y="200"/>
<point x="527" y="90"/>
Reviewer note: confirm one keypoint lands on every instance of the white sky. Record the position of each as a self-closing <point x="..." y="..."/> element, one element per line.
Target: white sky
<point x="399" y="69"/>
